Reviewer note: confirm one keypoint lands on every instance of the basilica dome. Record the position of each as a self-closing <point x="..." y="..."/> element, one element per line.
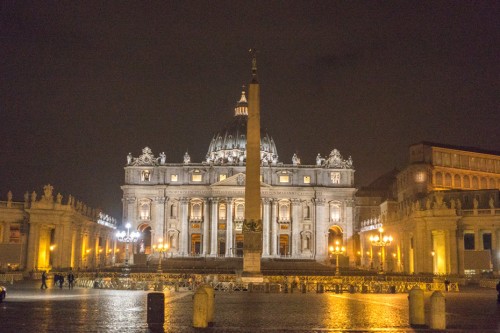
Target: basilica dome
<point x="228" y="146"/>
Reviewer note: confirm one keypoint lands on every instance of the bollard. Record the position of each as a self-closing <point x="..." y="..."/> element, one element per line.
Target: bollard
<point x="303" y="288"/>
<point x="156" y="310"/>
<point x="437" y="320"/>
<point x="200" y="308"/>
<point x="417" y="313"/>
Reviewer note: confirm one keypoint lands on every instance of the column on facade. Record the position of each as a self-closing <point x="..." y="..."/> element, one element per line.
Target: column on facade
<point x="158" y="229"/>
<point x="460" y="251"/>
<point x="274" y="227"/>
<point x="265" y="227"/>
<point x="452" y="248"/>
<point x="229" y="228"/>
<point x="349" y="231"/>
<point x="477" y="239"/>
<point x="184" y="234"/>
<point x="214" y="220"/>
<point x="296" y="250"/>
<point x="206" y="223"/>
<point x="59" y="248"/>
<point x="494" y="249"/>
<point x="321" y="234"/>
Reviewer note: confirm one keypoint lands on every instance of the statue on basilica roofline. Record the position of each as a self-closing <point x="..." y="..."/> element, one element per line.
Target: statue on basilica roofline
<point x="163" y="158"/>
<point x="334" y="160"/>
<point x="187" y="158"/>
<point x="295" y="160"/>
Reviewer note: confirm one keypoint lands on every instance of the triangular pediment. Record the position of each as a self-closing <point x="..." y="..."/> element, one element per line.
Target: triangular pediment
<point x="236" y="180"/>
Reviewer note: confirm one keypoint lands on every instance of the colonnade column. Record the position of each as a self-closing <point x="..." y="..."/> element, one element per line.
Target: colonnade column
<point x="6" y="232"/>
<point x="229" y="228"/>
<point x="296" y="250"/>
<point x="274" y="227"/>
<point x="184" y="234"/>
<point x="206" y="222"/>
<point x="265" y="227"/>
<point x="213" y="238"/>
<point x="32" y="261"/>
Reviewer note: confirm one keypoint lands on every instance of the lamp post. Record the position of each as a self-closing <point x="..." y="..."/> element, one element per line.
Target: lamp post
<point x="161" y="248"/>
<point x="127" y="237"/>
<point x="382" y="241"/>
<point x="336" y="251"/>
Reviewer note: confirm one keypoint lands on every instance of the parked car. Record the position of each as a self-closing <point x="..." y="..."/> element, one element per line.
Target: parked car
<point x="3" y="293"/>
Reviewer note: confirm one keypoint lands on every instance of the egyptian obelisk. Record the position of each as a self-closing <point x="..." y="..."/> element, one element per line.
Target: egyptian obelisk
<point x="252" y="226"/>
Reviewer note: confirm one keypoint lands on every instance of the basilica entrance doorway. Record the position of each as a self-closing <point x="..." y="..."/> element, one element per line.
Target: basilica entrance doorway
<point x="284" y="245"/>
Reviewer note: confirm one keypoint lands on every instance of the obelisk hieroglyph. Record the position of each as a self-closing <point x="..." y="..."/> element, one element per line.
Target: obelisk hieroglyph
<point x="252" y="226"/>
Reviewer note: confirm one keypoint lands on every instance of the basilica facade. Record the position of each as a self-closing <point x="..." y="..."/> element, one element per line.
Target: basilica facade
<point x="197" y="207"/>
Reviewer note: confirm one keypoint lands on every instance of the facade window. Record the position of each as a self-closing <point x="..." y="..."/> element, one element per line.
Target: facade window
<point x="307" y="179"/>
<point x="486" y="241"/>
<point x="240" y="211"/>
<point x="173" y="209"/>
<point x="15" y="234"/>
<point x="439" y="178"/>
<point x="475" y="183"/>
<point x="420" y="177"/>
<point x="174" y="178"/>
<point x="466" y="182"/>
<point x="284" y="212"/>
<point x="484" y="183"/>
<point x="335" y="213"/>
<point x="222" y="212"/>
<point x="196" y="177"/>
<point x="146" y="176"/>
<point x="196" y="211"/>
<point x="222" y="176"/>
<point x="284" y="179"/>
<point x="469" y="241"/>
<point x="144" y="211"/>
<point x="335" y="177"/>
<point x="458" y="181"/>
<point x="447" y="180"/>
<point x="307" y="212"/>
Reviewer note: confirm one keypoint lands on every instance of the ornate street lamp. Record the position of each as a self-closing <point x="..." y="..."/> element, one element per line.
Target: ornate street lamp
<point x="382" y="241"/>
<point x="336" y="251"/>
<point x="127" y="237"/>
<point x="161" y="248"/>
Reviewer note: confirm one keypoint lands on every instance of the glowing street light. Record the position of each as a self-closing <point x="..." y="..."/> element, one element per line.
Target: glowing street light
<point x="382" y="241"/>
<point x="127" y="237"/>
<point x="336" y="251"/>
<point x="161" y="248"/>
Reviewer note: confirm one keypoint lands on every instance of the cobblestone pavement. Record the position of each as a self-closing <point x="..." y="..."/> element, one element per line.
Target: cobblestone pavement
<point x="29" y="309"/>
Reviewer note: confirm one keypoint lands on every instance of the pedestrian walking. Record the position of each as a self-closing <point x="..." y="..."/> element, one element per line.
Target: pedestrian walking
<point x="61" y="281"/>
<point x="71" y="280"/>
<point x="44" y="280"/>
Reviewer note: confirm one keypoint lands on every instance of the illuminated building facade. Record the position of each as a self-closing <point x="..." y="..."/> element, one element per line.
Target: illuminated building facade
<point x="45" y="234"/>
<point x="442" y="211"/>
<point x="198" y="207"/>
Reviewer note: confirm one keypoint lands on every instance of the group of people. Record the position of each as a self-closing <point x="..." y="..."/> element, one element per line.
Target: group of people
<point x="58" y="280"/>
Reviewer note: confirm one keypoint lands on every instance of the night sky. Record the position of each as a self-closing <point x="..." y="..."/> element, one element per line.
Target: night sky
<point x="84" y="83"/>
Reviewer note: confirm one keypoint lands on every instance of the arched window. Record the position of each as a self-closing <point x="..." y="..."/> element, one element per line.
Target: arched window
<point x="144" y="211"/>
<point x="146" y="176"/>
<point x="173" y="210"/>
<point x="457" y="181"/>
<point x="240" y="211"/>
<point x="492" y="183"/>
<point x="475" y="183"/>
<point x="307" y="212"/>
<point x="484" y="183"/>
<point x="222" y="211"/>
<point x="335" y="212"/>
<point x="466" y="182"/>
<point x="284" y="212"/>
<point x="447" y="180"/>
<point x="439" y="178"/>
<point x="196" y="211"/>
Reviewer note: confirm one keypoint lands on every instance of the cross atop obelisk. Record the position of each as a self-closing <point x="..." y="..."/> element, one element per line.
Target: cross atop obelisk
<point x="252" y="226"/>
